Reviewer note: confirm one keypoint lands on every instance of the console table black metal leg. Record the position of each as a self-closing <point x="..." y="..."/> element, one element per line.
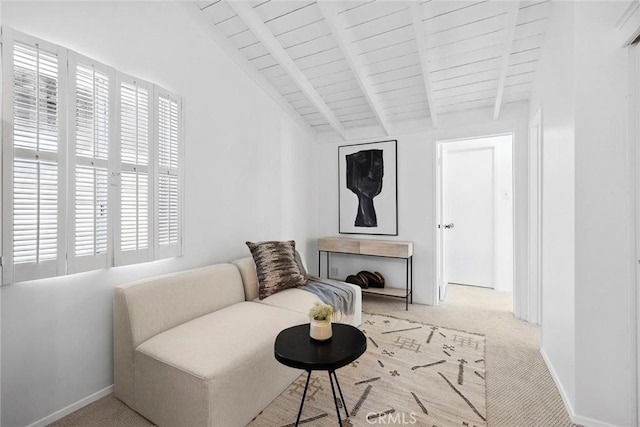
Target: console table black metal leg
<point x="335" y="399"/>
<point x="304" y="395"/>
<point x="411" y="276"/>
<point x="328" y="265"/>
<point x="406" y="300"/>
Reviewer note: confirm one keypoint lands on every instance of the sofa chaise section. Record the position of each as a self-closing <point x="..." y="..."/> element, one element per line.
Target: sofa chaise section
<point x="205" y="372"/>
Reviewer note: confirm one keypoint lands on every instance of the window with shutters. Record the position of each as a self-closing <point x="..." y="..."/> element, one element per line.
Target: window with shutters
<point x="134" y="222"/>
<point x="34" y="160"/>
<point x="89" y="164"/>
<point x="92" y="164"/>
<point x="169" y="224"/>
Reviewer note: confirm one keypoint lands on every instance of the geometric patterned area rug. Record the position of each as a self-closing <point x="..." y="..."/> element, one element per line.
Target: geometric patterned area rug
<point x="411" y="374"/>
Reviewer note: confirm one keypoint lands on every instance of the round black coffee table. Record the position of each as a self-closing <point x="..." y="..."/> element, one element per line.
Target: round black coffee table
<point x="295" y="348"/>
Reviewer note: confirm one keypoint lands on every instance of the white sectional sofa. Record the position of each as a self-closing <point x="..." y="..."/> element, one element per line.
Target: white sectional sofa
<point x="195" y="348"/>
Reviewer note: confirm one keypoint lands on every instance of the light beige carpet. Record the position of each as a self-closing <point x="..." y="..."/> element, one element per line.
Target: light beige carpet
<point x="411" y="373"/>
<point x="520" y="390"/>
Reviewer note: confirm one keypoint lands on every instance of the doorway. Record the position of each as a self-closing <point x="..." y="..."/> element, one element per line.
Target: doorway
<point x="475" y="213"/>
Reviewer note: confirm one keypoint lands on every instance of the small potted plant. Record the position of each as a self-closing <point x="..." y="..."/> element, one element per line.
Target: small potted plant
<point x="320" y="315"/>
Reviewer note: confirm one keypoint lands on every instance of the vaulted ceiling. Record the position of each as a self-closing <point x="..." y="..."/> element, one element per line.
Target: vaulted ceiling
<point x="342" y="66"/>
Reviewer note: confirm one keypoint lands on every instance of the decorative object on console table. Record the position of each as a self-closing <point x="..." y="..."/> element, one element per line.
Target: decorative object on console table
<point x="366" y="279"/>
<point x="357" y="280"/>
<point x="370" y="247"/>
<point x="374" y="280"/>
<point x="368" y="188"/>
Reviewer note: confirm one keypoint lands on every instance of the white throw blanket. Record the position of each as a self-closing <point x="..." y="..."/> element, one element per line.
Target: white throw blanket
<point x="337" y="294"/>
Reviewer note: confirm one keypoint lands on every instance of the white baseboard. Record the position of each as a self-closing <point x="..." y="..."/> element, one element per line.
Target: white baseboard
<point x="73" y="407"/>
<point x="575" y="418"/>
<point x="589" y="422"/>
<point x="556" y="379"/>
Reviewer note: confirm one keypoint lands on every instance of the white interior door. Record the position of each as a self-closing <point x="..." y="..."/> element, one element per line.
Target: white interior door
<point x="469" y="215"/>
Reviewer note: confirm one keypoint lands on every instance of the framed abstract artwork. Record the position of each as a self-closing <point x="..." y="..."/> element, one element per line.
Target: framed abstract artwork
<point x="368" y="188"/>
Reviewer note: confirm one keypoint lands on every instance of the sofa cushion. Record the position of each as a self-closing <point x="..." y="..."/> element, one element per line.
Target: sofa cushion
<point x="297" y="300"/>
<point x="206" y="372"/>
<point x="276" y="266"/>
<point x="301" y="301"/>
<point x="213" y="343"/>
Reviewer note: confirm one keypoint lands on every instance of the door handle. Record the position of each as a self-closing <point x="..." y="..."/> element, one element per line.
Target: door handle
<point x="449" y="225"/>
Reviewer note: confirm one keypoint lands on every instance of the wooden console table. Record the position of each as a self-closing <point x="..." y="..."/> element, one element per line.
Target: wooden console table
<point x="378" y="248"/>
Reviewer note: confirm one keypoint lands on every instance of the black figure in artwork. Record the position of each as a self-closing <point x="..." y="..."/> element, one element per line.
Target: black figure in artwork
<point x="364" y="177"/>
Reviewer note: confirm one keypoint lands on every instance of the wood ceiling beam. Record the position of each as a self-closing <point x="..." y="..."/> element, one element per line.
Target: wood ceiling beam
<point x="512" y="18"/>
<point x="209" y="28"/>
<point x="330" y="12"/>
<point x="417" y="14"/>
<point x="269" y="41"/>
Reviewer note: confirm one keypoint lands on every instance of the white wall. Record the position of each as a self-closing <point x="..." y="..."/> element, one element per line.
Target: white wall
<point x="416" y="197"/>
<point x="588" y="311"/>
<point x="605" y="265"/>
<point x="634" y="156"/>
<point x="1" y="124"/>
<point x="299" y="204"/>
<point x="554" y="92"/>
<point x="249" y="176"/>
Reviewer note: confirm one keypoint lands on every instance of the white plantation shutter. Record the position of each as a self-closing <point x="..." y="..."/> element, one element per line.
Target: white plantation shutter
<point x="92" y="164"/>
<point x="168" y="193"/>
<point x="91" y="106"/>
<point x="134" y="225"/>
<point x="34" y="152"/>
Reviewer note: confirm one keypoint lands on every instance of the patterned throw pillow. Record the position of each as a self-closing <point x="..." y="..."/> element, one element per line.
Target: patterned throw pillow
<point x="276" y="266"/>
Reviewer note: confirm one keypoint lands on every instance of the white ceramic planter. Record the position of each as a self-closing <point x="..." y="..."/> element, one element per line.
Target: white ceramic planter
<point x="320" y="329"/>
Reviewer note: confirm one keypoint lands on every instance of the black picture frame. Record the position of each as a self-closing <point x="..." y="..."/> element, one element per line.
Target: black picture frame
<point x="368" y="188"/>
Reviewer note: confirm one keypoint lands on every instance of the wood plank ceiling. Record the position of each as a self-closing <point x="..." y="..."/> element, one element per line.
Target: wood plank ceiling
<point x="342" y="66"/>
